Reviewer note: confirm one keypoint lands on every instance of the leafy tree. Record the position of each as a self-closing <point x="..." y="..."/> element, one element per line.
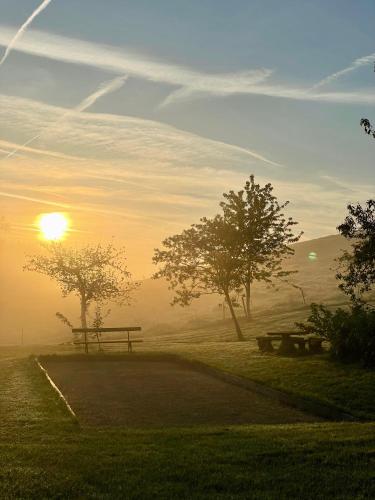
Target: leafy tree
<point x="92" y="273"/>
<point x="263" y="234"/>
<point x="357" y="272"/>
<point x="350" y="332"/>
<point x="204" y="259"/>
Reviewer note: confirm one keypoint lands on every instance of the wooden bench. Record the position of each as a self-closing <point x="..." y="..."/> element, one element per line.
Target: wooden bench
<point x="97" y="331"/>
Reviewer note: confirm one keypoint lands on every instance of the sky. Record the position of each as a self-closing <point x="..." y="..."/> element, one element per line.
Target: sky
<point x="133" y="117"/>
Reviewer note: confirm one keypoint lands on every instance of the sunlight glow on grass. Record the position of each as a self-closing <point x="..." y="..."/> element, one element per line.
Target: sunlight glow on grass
<point x="53" y="226"/>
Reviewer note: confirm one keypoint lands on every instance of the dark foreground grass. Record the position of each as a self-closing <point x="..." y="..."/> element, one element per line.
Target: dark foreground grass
<point x="43" y="454"/>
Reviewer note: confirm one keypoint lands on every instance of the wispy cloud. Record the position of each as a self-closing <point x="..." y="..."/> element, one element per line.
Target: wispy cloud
<point x="23" y="28"/>
<point x="137" y="169"/>
<point x="122" y="61"/>
<point x="125" y="138"/>
<point x="104" y="89"/>
<point x="361" y="61"/>
<point x="11" y="146"/>
<point x="189" y="82"/>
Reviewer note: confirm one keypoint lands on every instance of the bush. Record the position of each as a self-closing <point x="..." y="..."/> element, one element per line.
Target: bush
<point x="351" y="332"/>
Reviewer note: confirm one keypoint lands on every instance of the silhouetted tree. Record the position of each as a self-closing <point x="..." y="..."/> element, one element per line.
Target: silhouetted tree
<point x="64" y="319"/>
<point x="93" y="273"/>
<point x="368" y="128"/>
<point x="263" y="234"/>
<point x="99" y="316"/>
<point x="358" y="266"/>
<point x="204" y="259"/>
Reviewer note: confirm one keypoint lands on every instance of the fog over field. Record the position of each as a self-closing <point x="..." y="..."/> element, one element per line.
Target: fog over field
<point x="30" y="301"/>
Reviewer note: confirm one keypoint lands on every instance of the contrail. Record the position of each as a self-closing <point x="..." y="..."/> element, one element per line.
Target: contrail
<point x="361" y="61"/>
<point x="23" y="28"/>
<point x="104" y="89"/>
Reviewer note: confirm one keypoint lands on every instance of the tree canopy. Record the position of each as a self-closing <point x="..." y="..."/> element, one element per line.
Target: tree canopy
<point x="264" y="234"/>
<point x="227" y="253"/>
<point x="203" y="259"/>
<point x="367" y="127"/>
<point x="357" y="272"/>
<point x="93" y="273"/>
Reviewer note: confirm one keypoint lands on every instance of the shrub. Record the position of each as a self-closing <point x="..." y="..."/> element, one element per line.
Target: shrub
<point x="350" y="332"/>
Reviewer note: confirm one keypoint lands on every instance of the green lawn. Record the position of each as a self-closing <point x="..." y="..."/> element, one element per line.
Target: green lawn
<point x="43" y="454"/>
<point x="349" y="388"/>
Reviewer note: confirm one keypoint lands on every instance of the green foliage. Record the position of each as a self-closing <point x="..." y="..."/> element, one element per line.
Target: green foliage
<point x="225" y="254"/>
<point x="357" y="273"/>
<point x="367" y="127"/>
<point x="263" y="233"/>
<point x="351" y="332"/>
<point x="203" y="259"/>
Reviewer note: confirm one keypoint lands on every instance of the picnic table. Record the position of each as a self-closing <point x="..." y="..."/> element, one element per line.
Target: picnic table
<point x="98" y="331"/>
<point x="290" y="343"/>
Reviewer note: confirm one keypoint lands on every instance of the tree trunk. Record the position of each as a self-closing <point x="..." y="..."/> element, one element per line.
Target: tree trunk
<point x="248" y="298"/>
<point x="84" y="321"/>
<point x="83" y="313"/>
<point x="234" y="317"/>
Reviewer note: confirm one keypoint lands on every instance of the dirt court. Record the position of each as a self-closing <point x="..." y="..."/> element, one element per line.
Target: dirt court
<point x="138" y="392"/>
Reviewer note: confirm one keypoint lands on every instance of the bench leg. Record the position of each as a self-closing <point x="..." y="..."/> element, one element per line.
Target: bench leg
<point x="302" y="348"/>
<point x="287" y="347"/>
<point x="315" y="347"/>
<point x="265" y="345"/>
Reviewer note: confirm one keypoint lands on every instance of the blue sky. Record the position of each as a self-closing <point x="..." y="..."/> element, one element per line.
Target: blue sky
<point x="216" y="90"/>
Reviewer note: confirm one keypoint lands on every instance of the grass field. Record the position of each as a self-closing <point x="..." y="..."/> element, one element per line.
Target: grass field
<point x="44" y="454"/>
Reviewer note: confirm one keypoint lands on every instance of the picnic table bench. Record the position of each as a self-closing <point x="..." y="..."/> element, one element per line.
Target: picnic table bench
<point x="97" y="331"/>
<point x="288" y="342"/>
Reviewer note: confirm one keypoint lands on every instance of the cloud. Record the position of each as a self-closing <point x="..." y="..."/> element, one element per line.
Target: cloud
<point x="104" y="89"/>
<point x="121" y="61"/>
<point x="146" y="173"/>
<point x="361" y="61"/>
<point x="13" y="148"/>
<point x="98" y="135"/>
<point x="189" y="82"/>
<point x="23" y="28"/>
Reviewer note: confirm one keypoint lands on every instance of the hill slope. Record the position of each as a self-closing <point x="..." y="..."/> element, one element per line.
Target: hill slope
<point x="29" y="301"/>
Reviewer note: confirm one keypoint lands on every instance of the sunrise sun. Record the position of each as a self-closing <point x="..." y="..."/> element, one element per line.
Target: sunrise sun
<point x="53" y="226"/>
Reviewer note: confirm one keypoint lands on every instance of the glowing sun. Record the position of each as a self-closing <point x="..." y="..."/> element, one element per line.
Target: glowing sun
<point x="53" y="226"/>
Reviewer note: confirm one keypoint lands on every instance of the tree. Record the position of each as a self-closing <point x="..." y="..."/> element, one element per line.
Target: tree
<point x="264" y="234"/>
<point x="357" y="272"/>
<point x="92" y="273"/>
<point x="368" y="128"/>
<point x="204" y="259"/>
